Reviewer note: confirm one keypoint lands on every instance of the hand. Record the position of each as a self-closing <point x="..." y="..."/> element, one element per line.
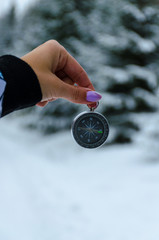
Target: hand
<point x="60" y="75"/>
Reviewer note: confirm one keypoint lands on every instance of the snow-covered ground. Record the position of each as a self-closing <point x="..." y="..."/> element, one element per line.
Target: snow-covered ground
<point x="51" y="189"/>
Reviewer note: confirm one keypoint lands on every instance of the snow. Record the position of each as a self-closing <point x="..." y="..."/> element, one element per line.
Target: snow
<point x="113" y="42"/>
<point x="52" y="189"/>
<point x="143" y="73"/>
<point x="133" y="11"/>
<point x="146" y="46"/>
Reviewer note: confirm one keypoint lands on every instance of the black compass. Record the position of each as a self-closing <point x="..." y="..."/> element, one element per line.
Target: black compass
<point x="90" y="129"/>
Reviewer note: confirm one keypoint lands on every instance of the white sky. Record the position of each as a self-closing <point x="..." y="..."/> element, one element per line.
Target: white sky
<point x="21" y="4"/>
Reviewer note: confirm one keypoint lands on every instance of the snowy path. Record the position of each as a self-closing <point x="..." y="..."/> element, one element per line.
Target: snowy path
<point x="50" y="189"/>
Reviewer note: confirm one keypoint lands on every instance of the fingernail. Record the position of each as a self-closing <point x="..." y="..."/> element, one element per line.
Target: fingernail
<point x="93" y="96"/>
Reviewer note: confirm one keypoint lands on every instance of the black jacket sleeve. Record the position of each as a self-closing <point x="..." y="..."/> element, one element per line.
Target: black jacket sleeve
<point x="22" y="86"/>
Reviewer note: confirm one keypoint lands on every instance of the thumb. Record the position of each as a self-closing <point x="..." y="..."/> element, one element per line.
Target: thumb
<point x="77" y="94"/>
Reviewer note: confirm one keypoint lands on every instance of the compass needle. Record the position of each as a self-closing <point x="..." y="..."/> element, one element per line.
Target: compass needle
<point x="94" y="125"/>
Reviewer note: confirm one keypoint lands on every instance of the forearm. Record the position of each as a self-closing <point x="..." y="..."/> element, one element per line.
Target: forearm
<point x="19" y="85"/>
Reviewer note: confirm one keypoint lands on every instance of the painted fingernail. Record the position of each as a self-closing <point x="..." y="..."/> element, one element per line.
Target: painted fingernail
<point x="93" y="96"/>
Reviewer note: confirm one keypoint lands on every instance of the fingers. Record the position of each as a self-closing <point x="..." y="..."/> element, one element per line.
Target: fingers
<point x="44" y="103"/>
<point x="57" y="88"/>
<point x="64" y="77"/>
<point x="74" y="71"/>
<point x="78" y="94"/>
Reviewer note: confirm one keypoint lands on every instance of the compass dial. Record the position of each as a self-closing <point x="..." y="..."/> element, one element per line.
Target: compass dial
<point x="90" y="129"/>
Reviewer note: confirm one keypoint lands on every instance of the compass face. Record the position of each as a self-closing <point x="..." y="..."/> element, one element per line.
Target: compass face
<point x="90" y="129"/>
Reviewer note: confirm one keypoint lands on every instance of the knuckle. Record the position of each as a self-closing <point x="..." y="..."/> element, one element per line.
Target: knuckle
<point x="52" y="43"/>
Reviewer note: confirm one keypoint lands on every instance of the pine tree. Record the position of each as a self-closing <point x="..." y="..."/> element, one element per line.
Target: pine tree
<point x="60" y="20"/>
<point x="131" y="75"/>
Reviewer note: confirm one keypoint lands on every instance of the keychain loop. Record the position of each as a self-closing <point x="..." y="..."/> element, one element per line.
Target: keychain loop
<point x="93" y="108"/>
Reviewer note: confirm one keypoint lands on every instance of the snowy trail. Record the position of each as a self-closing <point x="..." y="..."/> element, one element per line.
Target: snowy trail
<point x="52" y="189"/>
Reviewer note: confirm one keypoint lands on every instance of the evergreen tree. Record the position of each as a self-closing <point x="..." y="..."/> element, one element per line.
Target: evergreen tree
<point x="60" y="20"/>
<point x="131" y="75"/>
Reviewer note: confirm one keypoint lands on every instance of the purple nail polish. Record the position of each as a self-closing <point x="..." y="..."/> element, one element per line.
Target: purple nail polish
<point x="93" y="96"/>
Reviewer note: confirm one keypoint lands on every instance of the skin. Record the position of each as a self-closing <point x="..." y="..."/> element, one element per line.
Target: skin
<point x="58" y="72"/>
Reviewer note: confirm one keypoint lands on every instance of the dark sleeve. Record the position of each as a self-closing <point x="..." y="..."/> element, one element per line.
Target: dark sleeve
<point x="22" y="88"/>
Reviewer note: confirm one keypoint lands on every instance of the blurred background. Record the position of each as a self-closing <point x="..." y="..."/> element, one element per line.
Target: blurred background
<point x="50" y="188"/>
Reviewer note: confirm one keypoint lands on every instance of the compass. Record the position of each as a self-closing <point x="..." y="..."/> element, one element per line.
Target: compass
<point x="90" y="129"/>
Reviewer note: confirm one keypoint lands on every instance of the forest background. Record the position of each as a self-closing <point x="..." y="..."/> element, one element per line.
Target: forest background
<point x="117" y="44"/>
